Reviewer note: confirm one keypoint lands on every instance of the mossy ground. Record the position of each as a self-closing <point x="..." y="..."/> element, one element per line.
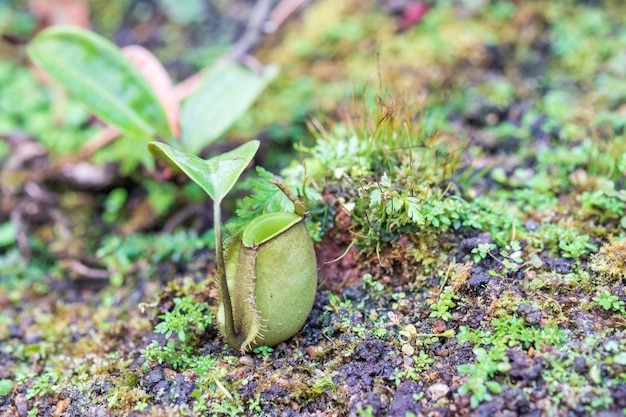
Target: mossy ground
<point x="468" y="207"/>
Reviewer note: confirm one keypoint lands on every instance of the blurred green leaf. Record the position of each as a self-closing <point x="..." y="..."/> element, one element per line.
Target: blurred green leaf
<point x="7" y="234"/>
<point x="95" y="71"/>
<point x="114" y="203"/>
<point x="226" y="92"/>
<point x="6" y="386"/>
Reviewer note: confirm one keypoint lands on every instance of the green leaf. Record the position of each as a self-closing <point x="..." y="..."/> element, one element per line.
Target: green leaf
<point x="494" y="386"/>
<point x="465" y="368"/>
<point x="620" y="358"/>
<point x="6" y="386"/>
<point x="97" y="73"/>
<point x="216" y="175"/>
<point x="8" y="234"/>
<point x="226" y="92"/>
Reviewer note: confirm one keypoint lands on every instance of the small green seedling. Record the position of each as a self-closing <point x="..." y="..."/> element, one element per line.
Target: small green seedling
<point x="609" y="301"/>
<point x="442" y="307"/>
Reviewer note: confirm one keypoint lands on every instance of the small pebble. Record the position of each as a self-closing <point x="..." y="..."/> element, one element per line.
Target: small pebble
<point x="408" y="350"/>
<point x="15" y="331"/>
<point x="580" y="364"/>
<point x="246" y="360"/>
<point x="154" y="376"/>
<point x="21" y="406"/>
<point x="438" y="390"/>
<point x="312" y="352"/>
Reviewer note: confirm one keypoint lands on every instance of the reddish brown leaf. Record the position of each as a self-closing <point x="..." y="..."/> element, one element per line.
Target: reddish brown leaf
<point x="412" y="15"/>
<point x="159" y="80"/>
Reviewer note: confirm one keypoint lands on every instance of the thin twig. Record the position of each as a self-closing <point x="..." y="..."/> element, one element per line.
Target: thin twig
<point x="253" y="33"/>
<point x="281" y="13"/>
<point x="87" y="272"/>
<point x="180" y="217"/>
<point x="20" y="235"/>
<point x="105" y="136"/>
<point x="340" y="257"/>
<point x="299" y="207"/>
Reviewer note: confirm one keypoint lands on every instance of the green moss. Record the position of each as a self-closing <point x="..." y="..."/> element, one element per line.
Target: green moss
<point x="610" y="262"/>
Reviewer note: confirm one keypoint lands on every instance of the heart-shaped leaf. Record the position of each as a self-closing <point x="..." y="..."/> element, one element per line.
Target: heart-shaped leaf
<point x="216" y="175"/>
<point x="226" y="92"/>
<point x="97" y="73"/>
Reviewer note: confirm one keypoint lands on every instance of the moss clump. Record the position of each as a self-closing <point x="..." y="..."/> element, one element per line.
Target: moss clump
<point x="610" y="261"/>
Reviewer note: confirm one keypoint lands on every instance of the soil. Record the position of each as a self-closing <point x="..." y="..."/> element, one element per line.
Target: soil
<point x="73" y="340"/>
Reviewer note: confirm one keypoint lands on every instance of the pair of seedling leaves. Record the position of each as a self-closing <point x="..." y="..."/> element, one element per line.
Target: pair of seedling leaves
<point x="268" y="278"/>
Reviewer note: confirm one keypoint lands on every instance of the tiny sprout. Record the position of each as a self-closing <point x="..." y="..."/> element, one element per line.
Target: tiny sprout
<point x="410" y="332"/>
